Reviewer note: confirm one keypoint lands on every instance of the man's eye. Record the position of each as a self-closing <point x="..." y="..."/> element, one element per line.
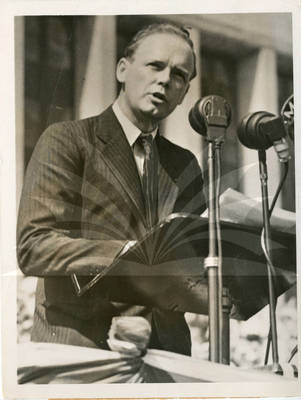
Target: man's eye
<point x="180" y="75"/>
<point x="155" y="65"/>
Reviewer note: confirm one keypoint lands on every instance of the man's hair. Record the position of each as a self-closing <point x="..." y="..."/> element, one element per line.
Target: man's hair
<point x="160" y="28"/>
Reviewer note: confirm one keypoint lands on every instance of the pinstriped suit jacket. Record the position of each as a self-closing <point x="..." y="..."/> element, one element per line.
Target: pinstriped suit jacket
<point x="81" y="202"/>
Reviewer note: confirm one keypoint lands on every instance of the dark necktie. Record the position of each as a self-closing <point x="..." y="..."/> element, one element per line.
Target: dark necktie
<point x="169" y="330"/>
<point x="150" y="178"/>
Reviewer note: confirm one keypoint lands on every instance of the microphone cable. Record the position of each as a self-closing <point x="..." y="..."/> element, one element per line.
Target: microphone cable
<point x="270" y="264"/>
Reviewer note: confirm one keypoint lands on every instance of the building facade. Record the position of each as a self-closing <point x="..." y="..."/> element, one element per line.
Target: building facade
<point x="65" y="69"/>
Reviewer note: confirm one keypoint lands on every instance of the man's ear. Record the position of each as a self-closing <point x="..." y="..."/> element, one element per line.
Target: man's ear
<point x="184" y="94"/>
<point x="121" y="69"/>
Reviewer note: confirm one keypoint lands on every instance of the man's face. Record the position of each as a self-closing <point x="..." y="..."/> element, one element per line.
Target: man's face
<point x="156" y="78"/>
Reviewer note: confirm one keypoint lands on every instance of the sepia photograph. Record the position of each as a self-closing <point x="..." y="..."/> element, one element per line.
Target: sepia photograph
<point x="155" y="204"/>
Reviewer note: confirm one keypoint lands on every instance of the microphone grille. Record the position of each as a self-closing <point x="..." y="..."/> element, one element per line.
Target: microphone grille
<point x="250" y="133"/>
<point x="196" y="120"/>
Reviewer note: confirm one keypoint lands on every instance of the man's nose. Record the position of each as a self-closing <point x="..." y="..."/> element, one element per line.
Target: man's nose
<point x="164" y="76"/>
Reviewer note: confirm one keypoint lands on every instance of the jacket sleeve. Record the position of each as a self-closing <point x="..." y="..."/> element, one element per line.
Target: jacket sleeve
<point x="49" y="221"/>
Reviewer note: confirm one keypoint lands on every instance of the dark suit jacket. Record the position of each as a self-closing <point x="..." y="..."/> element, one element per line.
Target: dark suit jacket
<point x="81" y="202"/>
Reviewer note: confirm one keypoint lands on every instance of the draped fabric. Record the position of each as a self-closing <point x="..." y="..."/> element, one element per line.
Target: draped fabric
<point x="42" y="363"/>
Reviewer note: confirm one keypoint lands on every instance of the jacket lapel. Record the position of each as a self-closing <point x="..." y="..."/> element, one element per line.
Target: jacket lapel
<point x="118" y="156"/>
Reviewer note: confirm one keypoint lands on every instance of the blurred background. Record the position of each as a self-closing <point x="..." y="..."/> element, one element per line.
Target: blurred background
<point x="65" y="69"/>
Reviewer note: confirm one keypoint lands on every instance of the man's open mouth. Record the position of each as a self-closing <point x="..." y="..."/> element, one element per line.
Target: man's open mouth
<point x="159" y="96"/>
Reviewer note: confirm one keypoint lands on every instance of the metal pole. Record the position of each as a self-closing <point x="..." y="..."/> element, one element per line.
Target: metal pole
<point x="267" y="239"/>
<point x="226" y="326"/>
<point x="211" y="264"/>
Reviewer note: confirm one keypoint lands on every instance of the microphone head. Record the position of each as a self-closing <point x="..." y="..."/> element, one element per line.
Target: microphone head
<point x="287" y="114"/>
<point x="260" y="130"/>
<point x="209" y="112"/>
<point x="196" y="119"/>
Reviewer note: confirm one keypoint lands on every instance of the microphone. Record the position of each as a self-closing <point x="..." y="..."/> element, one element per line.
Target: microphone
<point x="210" y="117"/>
<point x="261" y="130"/>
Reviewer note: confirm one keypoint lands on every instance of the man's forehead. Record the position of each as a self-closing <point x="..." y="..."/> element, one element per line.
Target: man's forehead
<point x="160" y="44"/>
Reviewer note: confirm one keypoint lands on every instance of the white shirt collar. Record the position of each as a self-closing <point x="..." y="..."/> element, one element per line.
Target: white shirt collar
<point x="131" y="131"/>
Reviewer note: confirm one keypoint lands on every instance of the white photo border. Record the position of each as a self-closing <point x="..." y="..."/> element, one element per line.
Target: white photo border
<point x="12" y="8"/>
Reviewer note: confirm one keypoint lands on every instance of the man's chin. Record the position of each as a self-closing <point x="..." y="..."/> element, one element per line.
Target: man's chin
<point x="156" y="112"/>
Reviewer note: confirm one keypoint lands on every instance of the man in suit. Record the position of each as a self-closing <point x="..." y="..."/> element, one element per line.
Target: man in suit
<point x="83" y="199"/>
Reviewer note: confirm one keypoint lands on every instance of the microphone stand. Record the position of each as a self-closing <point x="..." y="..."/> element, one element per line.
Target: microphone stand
<point x="210" y="117"/>
<point x="211" y="262"/>
<point x="267" y="238"/>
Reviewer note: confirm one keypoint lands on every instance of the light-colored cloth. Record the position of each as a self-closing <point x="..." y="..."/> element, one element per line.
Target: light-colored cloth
<point x="129" y="335"/>
<point x="129" y="362"/>
<point x="44" y="363"/>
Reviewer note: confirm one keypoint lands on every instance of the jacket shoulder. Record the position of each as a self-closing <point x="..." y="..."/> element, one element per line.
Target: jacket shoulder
<point x="79" y="134"/>
<point x="74" y="128"/>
